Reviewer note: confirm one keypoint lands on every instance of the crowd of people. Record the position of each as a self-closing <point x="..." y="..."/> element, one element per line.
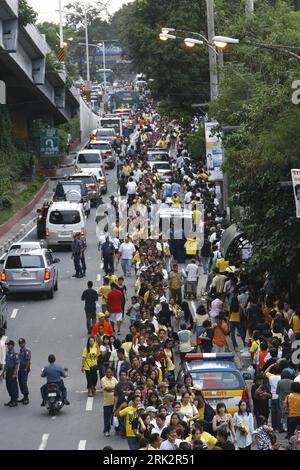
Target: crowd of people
<point x="143" y="399"/>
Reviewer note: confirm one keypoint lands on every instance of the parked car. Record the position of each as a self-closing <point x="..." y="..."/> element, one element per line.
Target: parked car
<point x="107" y="151"/>
<point x="219" y="378"/>
<point x="164" y="170"/>
<point x="106" y="133"/>
<point x="100" y="176"/>
<point x="73" y="191"/>
<point x="64" y="220"/>
<point x="91" y="183"/>
<point x="30" y="270"/>
<point x="89" y="157"/>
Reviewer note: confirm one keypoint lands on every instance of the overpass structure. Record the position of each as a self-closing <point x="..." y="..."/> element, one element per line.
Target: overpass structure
<point x="30" y="88"/>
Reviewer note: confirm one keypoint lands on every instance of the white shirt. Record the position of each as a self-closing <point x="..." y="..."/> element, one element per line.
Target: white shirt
<point x="131" y="187"/>
<point x="116" y="242"/>
<point x="2" y="351"/>
<point x="188" y="197"/>
<point x="192" y="271"/>
<point x="127" y="250"/>
<point x="297" y="379"/>
<point x="274" y="379"/>
<point x="137" y="174"/>
<point x="156" y="430"/>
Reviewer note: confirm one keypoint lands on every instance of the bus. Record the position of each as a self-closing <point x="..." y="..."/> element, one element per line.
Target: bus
<point x="127" y="99"/>
<point x="109" y="76"/>
<point x="112" y="122"/>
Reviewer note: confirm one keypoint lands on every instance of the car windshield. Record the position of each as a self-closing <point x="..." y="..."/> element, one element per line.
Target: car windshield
<point x="103" y="146"/>
<point x="65" y="217"/>
<point x="86" y="179"/>
<point x="157" y="157"/>
<point x="105" y="133"/>
<point x="88" y="158"/>
<point x="162" y="166"/>
<point x="24" y="261"/>
<point x="217" y="380"/>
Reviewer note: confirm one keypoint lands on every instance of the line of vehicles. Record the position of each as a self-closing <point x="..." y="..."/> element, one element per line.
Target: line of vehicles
<point x="31" y="266"/>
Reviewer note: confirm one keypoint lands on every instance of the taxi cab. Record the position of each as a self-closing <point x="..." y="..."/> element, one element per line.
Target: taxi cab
<point x="217" y="375"/>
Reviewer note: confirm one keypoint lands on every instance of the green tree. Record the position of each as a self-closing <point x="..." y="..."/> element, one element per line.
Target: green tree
<point x="27" y="15"/>
<point x="256" y="96"/>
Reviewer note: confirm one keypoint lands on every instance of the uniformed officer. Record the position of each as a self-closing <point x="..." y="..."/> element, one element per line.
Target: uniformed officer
<point x="24" y="369"/>
<point x="12" y="362"/>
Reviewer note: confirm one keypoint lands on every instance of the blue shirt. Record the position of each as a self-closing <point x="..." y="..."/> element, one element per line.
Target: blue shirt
<point x="11" y="359"/>
<point x="25" y="355"/>
<point x="176" y="188"/>
<point x="53" y="373"/>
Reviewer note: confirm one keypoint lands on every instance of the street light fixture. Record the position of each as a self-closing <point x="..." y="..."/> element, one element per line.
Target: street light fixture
<point x="166" y="36"/>
<point x="222" y="41"/>
<point x="167" y="30"/>
<point x="191" y="42"/>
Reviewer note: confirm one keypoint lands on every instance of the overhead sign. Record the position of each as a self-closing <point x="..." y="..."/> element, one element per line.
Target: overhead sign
<point x="49" y="143"/>
<point x="214" y="152"/>
<point x="296" y="186"/>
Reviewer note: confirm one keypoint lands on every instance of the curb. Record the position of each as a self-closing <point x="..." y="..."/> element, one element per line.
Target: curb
<point x="7" y="226"/>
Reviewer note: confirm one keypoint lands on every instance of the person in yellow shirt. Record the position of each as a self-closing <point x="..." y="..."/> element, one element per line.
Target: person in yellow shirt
<point x="131" y="413"/>
<point x="176" y="200"/>
<point x="127" y="170"/>
<point x="90" y="355"/>
<point x="295" y="323"/>
<point x="108" y="383"/>
<point x="222" y="265"/>
<point x="235" y="319"/>
<point x="103" y="293"/>
<point x="199" y="434"/>
<point x="112" y="277"/>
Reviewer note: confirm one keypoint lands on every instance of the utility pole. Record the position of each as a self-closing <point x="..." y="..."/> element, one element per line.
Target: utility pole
<point x="214" y="90"/>
<point x="88" y="77"/>
<point x="249" y="7"/>
<point x="61" y="50"/>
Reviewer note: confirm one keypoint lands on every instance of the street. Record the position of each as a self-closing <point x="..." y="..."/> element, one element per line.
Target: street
<point x="58" y="326"/>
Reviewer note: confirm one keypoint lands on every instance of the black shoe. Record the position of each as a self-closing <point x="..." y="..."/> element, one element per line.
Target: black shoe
<point x="8" y="404"/>
<point x="25" y="401"/>
<point x="66" y="402"/>
<point x="21" y="401"/>
<point x="79" y="276"/>
<point x="43" y="403"/>
<point x="74" y="275"/>
<point x="13" y="404"/>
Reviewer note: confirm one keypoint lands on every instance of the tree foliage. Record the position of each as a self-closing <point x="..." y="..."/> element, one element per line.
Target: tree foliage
<point x="256" y="96"/>
<point x="27" y="15"/>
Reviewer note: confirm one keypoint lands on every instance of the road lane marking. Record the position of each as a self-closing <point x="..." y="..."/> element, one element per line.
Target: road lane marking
<point x="43" y="444"/>
<point x="81" y="445"/>
<point x="28" y="233"/>
<point x="89" y="404"/>
<point x="14" y="313"/>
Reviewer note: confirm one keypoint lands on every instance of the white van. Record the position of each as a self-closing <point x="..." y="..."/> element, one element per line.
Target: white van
<point x="64" y="220"/>
<point x="88" y="158"/>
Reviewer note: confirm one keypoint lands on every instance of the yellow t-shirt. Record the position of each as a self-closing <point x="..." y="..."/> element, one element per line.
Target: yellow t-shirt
<point x="112" y="278"/>
<point x="235" y="316"/>
<point x="131" y="413"/>
<point x="191" y="246"/>
<point x="108" y="397"/>
<point x="127" y="170"/>
<point x="103" y="293"/>
<point x="206" y="438"/>
<point x="222" y="265"/>
<point x="295" y="323"/>
<point x="90" y="358"/>
<point x="196" y="217"/>
<point x="293" y="405"/>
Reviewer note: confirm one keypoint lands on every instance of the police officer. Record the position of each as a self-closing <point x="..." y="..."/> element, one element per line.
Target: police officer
<point x="76" y="255"/>
<point x="24" y="369"/>
<point x="108" y="255"/>
<point x="12" y="362"/>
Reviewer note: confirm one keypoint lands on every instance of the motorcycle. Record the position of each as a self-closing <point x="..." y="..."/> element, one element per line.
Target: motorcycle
<point x="54" y="401"/>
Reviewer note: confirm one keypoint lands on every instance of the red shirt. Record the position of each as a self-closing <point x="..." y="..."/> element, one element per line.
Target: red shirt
<point x="108" y="330"/>
<point x="115" y="301"/>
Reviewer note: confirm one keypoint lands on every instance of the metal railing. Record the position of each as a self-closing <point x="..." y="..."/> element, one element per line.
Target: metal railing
<point x="16" y="237"/>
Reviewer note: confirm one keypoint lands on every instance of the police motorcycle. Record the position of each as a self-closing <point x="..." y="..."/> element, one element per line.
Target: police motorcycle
<point x="54" y="399"/>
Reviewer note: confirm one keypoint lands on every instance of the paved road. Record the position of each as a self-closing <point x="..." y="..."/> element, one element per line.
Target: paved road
<point x="57" y="326"/>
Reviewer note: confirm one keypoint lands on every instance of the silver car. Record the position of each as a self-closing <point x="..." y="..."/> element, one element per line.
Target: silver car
<point x="30" y="270"/>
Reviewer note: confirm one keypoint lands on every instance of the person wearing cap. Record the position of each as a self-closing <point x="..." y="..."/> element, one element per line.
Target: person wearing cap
<point x="12" y="362"/>
<point x="162" y="390"/>
<point x="24" y="369"/>
<point x="108" y="329"/>
<point x="152" y="411"/>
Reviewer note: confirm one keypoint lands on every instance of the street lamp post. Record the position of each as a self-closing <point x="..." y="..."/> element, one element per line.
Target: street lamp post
<point x="214" y="86"/>
<point x="88" y="75"/>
